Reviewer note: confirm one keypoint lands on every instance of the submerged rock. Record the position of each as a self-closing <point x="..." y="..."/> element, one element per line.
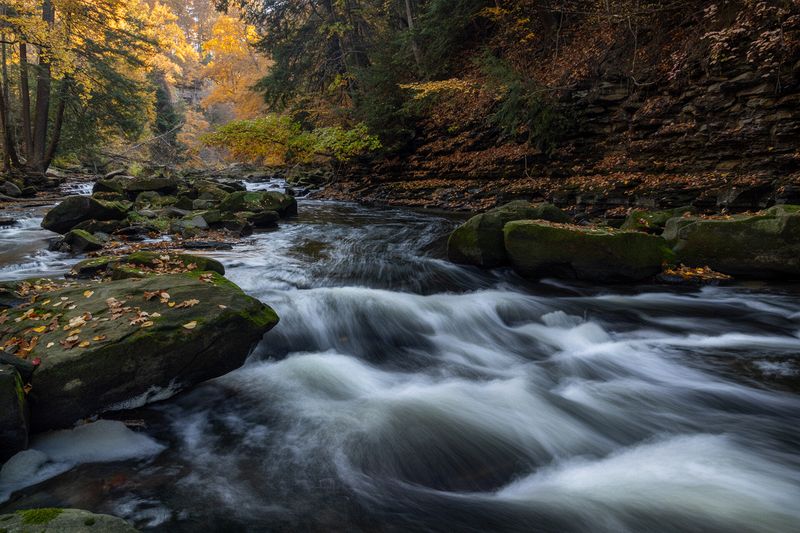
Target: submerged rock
<point x="538" y="248"/>
<point x="479" y="241"/>
<point x="56" y="520"/>
<point x="105" y="343"/>
<point x="13" y="414"/>
<point x="766" y="245"/>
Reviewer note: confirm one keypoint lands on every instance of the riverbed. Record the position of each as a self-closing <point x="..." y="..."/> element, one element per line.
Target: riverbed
<point x="401" y="392"/>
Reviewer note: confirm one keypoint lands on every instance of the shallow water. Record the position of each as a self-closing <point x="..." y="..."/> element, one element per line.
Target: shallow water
<point x="403" y="393"/>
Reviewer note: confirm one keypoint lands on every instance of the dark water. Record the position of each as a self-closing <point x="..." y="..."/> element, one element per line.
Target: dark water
<point x="403" y="393"/>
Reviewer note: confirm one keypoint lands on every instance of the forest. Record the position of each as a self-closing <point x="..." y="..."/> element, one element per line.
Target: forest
<point x="399" y="265"/>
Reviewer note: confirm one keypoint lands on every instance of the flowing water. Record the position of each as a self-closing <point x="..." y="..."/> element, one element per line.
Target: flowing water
<point x="403" y="393"/>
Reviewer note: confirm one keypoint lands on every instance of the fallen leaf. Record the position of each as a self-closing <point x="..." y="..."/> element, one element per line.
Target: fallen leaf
<point x="36" y="361"/>
<point x="88" y="294"/>
<point x="190" y="325"/>
<point x="84" y="344"/>
<point x="40" y="329"/>
<point x="50" y="345"/>
<point x="98" y="338"/>
<point x="147" y="324"/>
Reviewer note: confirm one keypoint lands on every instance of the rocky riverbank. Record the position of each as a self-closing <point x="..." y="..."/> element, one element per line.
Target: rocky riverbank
<point x="540" y="240"/>
<point x="118" y="332"/>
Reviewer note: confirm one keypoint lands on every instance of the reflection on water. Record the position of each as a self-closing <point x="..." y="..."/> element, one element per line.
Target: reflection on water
<point x="401" y="392"/>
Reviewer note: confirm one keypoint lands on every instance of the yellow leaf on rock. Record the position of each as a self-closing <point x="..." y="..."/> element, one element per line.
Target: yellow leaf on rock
<point x="190" y="325"/>
<point x="40" y="329"/>
<point x="88" y="294"/>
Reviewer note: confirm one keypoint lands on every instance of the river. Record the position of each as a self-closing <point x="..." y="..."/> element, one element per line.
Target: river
<point x="403" y="393"/>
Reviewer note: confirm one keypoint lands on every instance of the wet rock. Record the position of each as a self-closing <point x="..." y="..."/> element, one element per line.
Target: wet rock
<point x="652" y="221"/>
<point x="538" y="249"/>
<point x="114" y="184"/>
<point x="103" y="226"/>
<point x="122" y="358"/>
<point x="29" y="192"/>
<point x="76" y="209"/>
<point x="264" y="219"/>
<point x="6" y="222"/>
<point x="13" y="414"/>
<point x="479" y="241"/>
<point x="56" y="520"/>
<point x="159" y="184"/>
<point x="81" y="241"/>
<point x="97" y="266"/>
<point x="258" y="201"/>
<point x="766" y="245"/>
<point x="10" y="189"/>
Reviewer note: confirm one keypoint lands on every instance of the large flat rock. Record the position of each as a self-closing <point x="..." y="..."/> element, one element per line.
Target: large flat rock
<point x="104" y="344"/>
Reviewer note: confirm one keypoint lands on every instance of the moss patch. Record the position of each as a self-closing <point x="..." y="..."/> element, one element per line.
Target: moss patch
<point x="39" y="516"/>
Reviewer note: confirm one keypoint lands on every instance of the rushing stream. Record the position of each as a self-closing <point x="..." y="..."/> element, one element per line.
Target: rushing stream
<point x="403" y="393"/>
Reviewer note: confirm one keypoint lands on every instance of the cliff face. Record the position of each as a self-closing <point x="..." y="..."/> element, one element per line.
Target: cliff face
<point x="711" y="118"/>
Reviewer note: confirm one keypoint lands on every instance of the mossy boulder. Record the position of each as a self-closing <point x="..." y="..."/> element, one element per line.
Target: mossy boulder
<point x="479" y="241"/>
<point x="264" y="219"/>
<point x="114" y="184"/>
<point x="13" y="413"/>
<point x="151" y="261"/>
<point x="652" y="221"/>
<point x="81" y="241"/>
<point x="537" y="249"/>
<point x="57" y="520"/>
<point x="159" y="184"/>
<point x="111" y="344"/>
<point x="101" y="226"/>
<point x="765" y="245"/>
<point x="258" y="201"/>
<point x="76" y="209"/>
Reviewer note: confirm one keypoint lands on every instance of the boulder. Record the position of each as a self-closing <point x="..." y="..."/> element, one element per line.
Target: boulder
<point x="56" y="520"/>
<point x="9" y="188"/>
<point x="538" y="248"/>
<point x="652" y="221"/>
<point x="76" y="209"/>
<point x="13" y="413"/>
<point x="146" y="262"/>
<point x="765" y="245"/>
<point x="479" y="241"/>
<point x="113" y="343"/>
<point x="114" y="184"/>
<point x="81" y="241"/>
<point x="160" y="184"/>
<point x="257" y="201"/>
<point x="102" y="226"/>
<point x="264" y="219"/>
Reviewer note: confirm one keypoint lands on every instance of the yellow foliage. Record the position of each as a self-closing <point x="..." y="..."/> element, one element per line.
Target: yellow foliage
<point x="234" y="67"/>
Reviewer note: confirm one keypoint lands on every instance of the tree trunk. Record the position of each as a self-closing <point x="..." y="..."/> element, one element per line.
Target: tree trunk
<point x="414" y="47"/>
<point x="55" y="137"/>
<point x="9" y="150"/>
<point x="43" y="86"/>
<point x="25" y="100"/>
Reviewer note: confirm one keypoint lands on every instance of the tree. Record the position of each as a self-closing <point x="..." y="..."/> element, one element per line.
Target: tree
<point x="234" y="67"/>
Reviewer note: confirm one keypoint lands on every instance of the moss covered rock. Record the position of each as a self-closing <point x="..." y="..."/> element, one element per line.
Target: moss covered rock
<point x="76" y="209"/>
<point x="82" y="241"/>
<point x="13" y="413"/>
<point x="56" y="520"/>
<point x="258" y="201"/>
<point x="538" y="249"/>
<point x="151" y="261"/>
<point x="109" y="344"/>
<point x="652" y="221"/>
<point x="159" y="184"/>
<point x="766" y="245"/>
<point x="479" y="241"/>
